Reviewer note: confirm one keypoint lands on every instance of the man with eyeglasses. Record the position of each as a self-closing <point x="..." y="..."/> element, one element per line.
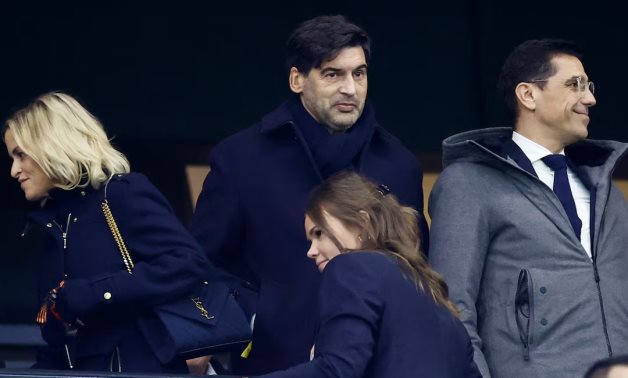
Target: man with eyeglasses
<point x="528" y="229"/>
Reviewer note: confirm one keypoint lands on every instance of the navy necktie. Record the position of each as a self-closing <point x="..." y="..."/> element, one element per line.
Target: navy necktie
<point x="558" y="163"/>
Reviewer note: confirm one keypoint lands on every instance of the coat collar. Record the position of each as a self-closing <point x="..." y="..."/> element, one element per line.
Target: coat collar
<point x="276" y="119"/>
<point x="61" y="195"/>
<point x="591" y="153"/>
<point x="57" y="199"/>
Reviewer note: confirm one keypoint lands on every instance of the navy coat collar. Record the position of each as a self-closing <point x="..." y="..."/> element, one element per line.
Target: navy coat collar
<point x="274" y="120"/>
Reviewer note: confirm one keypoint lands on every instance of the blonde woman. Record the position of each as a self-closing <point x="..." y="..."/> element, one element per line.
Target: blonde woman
<point x="383" y="312"/>
<point x="90" y="304"/>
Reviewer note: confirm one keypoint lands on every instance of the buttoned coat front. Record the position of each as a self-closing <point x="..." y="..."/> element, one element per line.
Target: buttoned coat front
<point x="80" y="249"/>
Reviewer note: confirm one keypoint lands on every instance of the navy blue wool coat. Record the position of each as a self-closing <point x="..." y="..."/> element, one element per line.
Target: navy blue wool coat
<point x="374" y="322"/>
<point x="249" y="220"/>
<point x="79" y="248"/>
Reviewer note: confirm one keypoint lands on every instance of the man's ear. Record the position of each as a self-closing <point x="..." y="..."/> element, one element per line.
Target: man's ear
<point x="526" y="95"/>
<point x="296" y="80"/>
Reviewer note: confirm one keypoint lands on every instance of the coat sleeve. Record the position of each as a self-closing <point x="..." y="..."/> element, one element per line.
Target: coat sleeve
<point x="459" y="242"/>
<point x="217" y="223"/>
<point x="350" y="306"/>
<point x="168" y="262"/>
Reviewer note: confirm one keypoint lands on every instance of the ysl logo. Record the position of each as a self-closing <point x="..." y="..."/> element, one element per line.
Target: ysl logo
<point x="199" y="305"/>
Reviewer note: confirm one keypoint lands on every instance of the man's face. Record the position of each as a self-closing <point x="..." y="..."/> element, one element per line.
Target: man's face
<point x="334" y="94"/>
<point x="562" y="108"/>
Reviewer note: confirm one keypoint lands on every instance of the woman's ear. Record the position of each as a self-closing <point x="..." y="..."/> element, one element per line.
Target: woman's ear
<point x="365" y="216"/>
<point x="365" y="219"/>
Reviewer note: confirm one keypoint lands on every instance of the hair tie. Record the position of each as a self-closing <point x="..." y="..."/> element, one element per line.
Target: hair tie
<point x="383" y="189"/>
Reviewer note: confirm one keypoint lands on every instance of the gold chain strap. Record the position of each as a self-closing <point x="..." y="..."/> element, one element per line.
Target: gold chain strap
<point x="126" y="256"/>
<point x="113" y="226"/>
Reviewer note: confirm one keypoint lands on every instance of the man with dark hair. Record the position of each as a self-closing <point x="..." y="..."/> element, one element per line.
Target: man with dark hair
<point x="249" y="216"/>
<point x="531" y="61"/>
<point x="615" y="367"/>
<point x="527" y="228"/>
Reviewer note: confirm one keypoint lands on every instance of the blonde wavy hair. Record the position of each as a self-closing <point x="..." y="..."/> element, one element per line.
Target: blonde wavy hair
<point x="383" y="225"/>
<point x="67" y="141"/>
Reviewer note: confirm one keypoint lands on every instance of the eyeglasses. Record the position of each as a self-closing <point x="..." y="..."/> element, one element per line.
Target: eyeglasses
<point x="576" y="82"/>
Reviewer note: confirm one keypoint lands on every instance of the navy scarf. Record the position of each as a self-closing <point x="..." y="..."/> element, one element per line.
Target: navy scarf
<point x="333" y="152"/>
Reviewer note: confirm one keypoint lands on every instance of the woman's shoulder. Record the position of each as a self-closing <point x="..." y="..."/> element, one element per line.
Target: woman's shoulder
<point x="364" y="263"/>
<point x="131" y="178"/>
<point x="133" y="189"/>
<point x="123" y="183"/>
<point x="354" y="281"/>
<point x="362" y="258"/>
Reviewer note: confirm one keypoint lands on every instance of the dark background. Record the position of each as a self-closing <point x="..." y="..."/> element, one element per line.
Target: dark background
<point x="170" y="79"/>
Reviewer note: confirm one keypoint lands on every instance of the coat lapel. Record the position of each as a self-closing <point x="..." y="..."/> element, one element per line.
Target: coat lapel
<point x="539" y="195"/>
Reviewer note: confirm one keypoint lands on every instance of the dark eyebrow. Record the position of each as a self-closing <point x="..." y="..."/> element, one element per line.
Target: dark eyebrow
<point x="337" y="70"/>
<point x="330" y="69"/>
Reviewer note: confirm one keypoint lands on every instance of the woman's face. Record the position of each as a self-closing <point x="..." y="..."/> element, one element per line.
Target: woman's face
<point x="29" y="174"/>
<point x="323" y="248"/>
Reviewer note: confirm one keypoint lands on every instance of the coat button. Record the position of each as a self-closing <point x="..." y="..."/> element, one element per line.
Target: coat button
<point x="543" y="290"/>
<point x="107" y="296"/>
<point x="48" y="225"/>
<point x="544" y="321"/>
<point x="82" y="192"/>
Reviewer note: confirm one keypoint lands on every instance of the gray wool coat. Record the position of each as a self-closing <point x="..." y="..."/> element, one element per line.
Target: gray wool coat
<point x="534" y="303"/>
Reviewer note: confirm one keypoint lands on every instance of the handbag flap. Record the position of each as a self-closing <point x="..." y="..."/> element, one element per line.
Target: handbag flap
<point x="209" y="320"/>
<point x="204" y="305"/>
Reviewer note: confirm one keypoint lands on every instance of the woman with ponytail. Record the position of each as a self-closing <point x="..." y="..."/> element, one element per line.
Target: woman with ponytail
<point x="383" y="312"/>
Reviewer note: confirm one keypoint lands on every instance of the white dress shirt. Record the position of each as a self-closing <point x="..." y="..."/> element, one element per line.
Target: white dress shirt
<point x="534" y="152"/>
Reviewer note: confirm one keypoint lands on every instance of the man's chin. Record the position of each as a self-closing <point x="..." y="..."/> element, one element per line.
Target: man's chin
<point x="342" y="122"/>
<point x="337" y="129"/>
<point x="584" y="131"/>
<point x="581" y="133"/>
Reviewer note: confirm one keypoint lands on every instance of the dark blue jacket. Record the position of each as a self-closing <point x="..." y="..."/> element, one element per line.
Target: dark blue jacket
<point x="374" y="322"/>
<point x="249" y="220"/>
<point x="79" y="247"/>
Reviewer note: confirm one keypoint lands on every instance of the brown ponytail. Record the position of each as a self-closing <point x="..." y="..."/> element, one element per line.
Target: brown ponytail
<point x="383" y="224"/>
